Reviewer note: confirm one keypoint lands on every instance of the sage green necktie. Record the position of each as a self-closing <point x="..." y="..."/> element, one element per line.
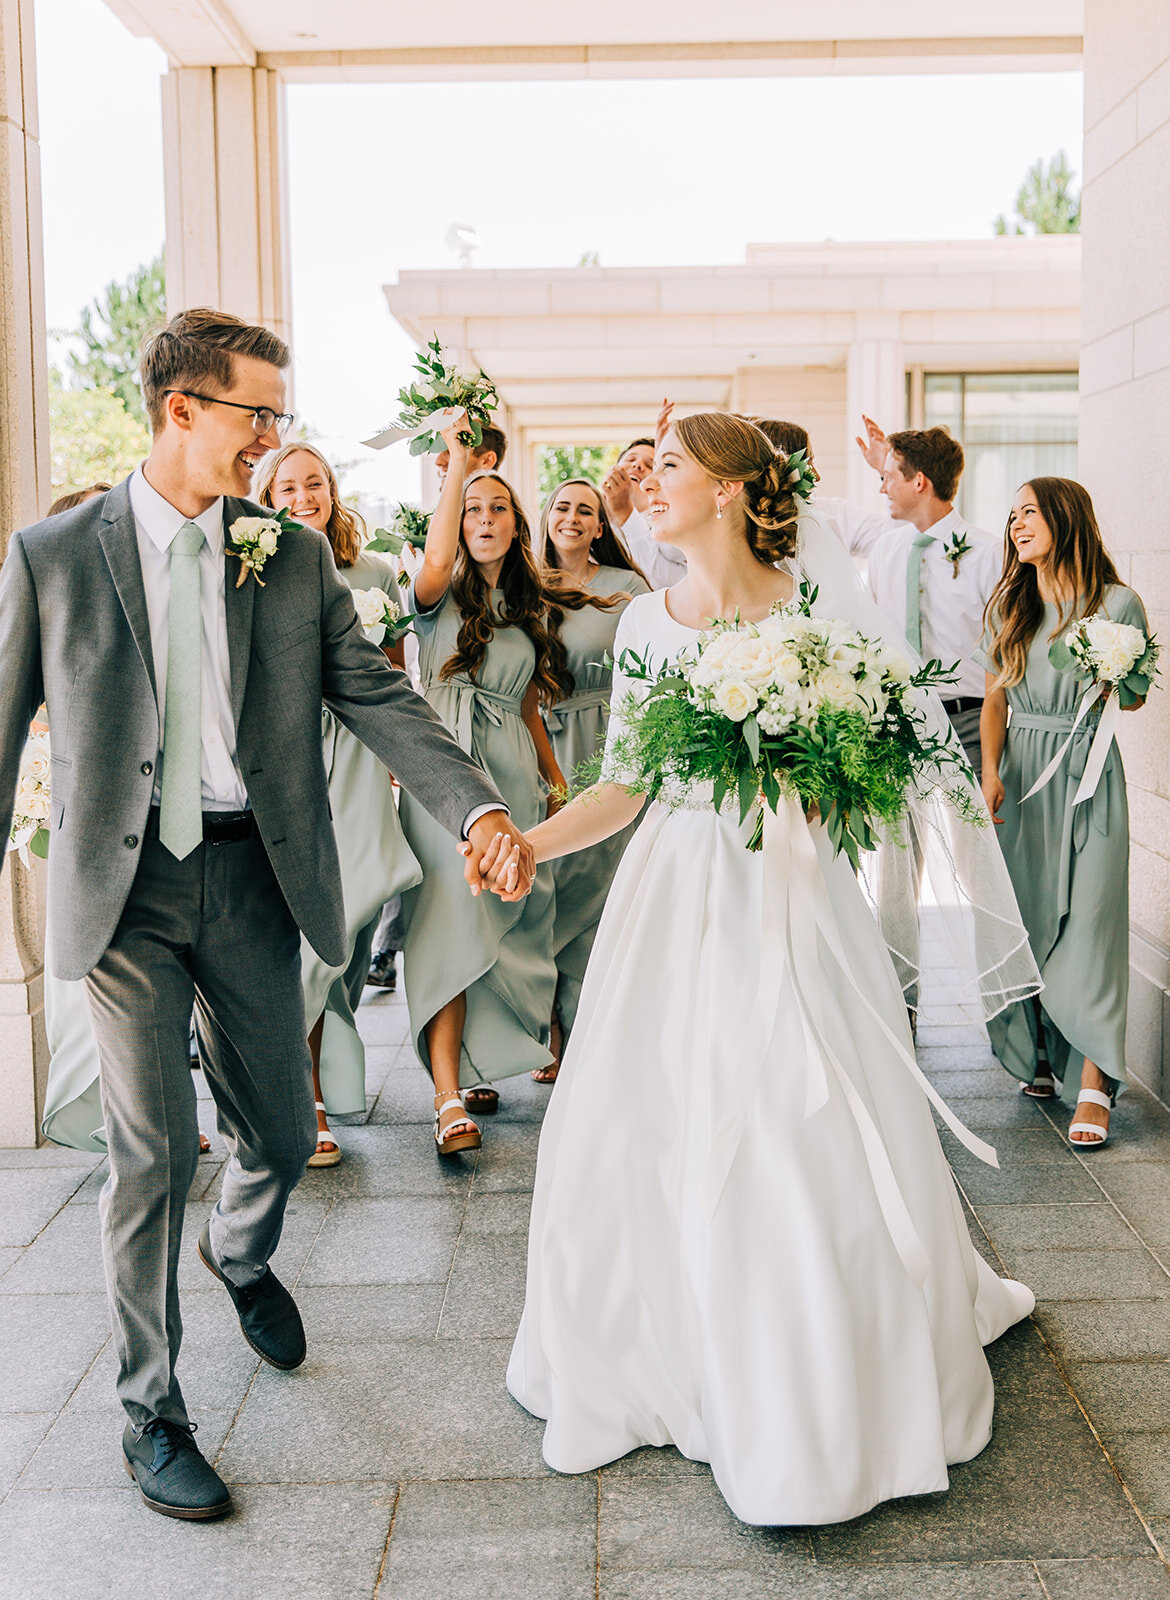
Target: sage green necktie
<point x="181" y="804"/>
<point x="914" y="588"/>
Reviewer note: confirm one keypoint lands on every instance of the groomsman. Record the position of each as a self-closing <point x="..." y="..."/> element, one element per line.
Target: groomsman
<point x="192" y="842"/>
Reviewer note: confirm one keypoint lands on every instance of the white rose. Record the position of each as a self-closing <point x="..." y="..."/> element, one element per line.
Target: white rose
<point x="36" y="806"/>
<point x="715" y="649"/>
<point x="36" y="763"/>
<point x="846" y="655"/>
<point x="752" y="659"/>
<point x="786" y="667"/>
<point x="247" y="530"/>
<point x="871" y="693"/>
<point x="838" y="689"/>
<point x="736" y="699"/>
<point x="370" y="605"/>
<point x="896" y="666"/>
<point x="267" y="543"/>
<point x="27" y="787"/>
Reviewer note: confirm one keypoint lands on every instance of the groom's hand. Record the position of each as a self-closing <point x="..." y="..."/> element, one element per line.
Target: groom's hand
<point x="494" y="843"/>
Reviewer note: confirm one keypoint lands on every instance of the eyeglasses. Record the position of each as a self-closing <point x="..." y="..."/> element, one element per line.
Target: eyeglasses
<point x="263" y="417"/>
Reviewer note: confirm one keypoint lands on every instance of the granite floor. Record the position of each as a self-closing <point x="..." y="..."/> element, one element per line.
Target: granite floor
<point x="394" y="1464"/>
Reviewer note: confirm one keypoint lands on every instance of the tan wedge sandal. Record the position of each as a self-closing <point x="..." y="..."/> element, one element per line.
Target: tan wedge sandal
<point x="451" y="1116"/>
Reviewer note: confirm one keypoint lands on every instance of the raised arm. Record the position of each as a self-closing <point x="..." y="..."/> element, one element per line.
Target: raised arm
<point x="442" y="546"/>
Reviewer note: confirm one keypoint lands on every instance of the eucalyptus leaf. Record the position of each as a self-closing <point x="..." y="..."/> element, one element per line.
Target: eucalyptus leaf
<point x="39" y="843"/>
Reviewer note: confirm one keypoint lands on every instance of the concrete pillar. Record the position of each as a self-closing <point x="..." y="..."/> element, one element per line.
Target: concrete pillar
<point x="875" y="383"/>
<point x="24" y="488"/>
<point x="226" y="193"/>
<point x="1125" y="421"/>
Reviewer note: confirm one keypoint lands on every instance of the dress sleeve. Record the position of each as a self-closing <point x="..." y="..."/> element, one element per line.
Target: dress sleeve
<point x="426" y="616"/>
<point x="1125" y="606"/>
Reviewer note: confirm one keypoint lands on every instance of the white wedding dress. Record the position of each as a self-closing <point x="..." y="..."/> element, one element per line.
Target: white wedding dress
<point x="745" y="1244"/>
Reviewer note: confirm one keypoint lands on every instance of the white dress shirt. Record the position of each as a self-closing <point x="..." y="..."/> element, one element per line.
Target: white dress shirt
<point x="157" y="522"/>
<point x="661" y="563"/>
<point x="952" y="606"/>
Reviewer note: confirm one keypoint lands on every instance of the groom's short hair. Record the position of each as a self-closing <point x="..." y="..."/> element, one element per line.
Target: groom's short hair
<point x="194" y="350"/>
<point x="932" y="451"/>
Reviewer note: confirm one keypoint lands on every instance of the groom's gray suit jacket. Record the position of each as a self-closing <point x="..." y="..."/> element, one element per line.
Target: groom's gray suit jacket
<point x="74" y="633"/>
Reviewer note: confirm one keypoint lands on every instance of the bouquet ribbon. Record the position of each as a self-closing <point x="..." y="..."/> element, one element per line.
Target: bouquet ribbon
<point x="434" y="423"/>
<point x="1102" y="743"/>
<point x="795" y="901"/>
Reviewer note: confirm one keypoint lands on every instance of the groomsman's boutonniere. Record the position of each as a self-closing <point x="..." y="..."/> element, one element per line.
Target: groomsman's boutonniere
<point x="955" y="550"/>
<point x="257" y="538"/>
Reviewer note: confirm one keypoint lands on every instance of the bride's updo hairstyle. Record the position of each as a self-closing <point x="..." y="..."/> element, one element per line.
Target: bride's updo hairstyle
<point x="733" y="450"/>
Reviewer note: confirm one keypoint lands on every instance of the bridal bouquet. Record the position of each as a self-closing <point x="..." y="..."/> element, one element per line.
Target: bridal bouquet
<point x="795" y="705"/>
<point x="380" y="616"/>
<point x="31" y="809"/>
<point x="1112" y="653"/>
<point x="437" y="397"/>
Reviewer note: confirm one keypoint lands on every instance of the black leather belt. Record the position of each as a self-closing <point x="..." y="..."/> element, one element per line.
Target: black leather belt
<point x="219" y="827"/>
<point x="965" y="702"/>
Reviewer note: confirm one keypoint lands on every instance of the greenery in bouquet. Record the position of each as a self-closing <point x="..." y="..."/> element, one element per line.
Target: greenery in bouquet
<point x="381" y="617"/>
<point x="441" y="386"/>
<point x="795" y="705"/>
<point x="407" y="531"/>
<point x="1113" y="653"/>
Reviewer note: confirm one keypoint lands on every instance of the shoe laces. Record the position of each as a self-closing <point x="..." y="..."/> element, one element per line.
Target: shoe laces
<point x="168" y="1438"/>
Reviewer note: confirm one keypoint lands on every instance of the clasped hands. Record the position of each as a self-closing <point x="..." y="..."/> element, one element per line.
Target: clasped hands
<point x="498" y="857"/>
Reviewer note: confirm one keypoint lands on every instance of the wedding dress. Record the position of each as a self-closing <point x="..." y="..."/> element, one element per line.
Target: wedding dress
<point x="746" y="1241"/>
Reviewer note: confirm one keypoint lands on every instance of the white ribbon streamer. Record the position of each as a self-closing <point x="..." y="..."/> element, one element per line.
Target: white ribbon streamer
<point x="435" y="423"/>
<point x="1099" y="749"/>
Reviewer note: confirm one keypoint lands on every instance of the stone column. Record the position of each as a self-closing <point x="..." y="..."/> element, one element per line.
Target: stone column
<point x="226" y="193"/>
<point x="875" y="383"/>
<point x="24" y="488"/>
<point x="1125" y="422"/>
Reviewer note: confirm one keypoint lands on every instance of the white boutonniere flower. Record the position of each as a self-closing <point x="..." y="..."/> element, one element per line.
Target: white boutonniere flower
<point x="255" y="539"/>
<point x="955" y="549"/>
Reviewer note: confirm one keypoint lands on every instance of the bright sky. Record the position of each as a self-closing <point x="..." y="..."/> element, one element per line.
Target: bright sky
<point x="663" y="172"/>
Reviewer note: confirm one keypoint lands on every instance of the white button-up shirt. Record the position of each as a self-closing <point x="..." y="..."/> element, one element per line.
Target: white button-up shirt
<point x="951" y="605"/>
<point x="661" y="563"/>
<point x="157" y="522"/>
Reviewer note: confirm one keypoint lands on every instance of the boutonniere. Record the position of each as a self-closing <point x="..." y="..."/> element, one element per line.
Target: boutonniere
<point x="257" y="538"/>
<point x="954" y="551"/>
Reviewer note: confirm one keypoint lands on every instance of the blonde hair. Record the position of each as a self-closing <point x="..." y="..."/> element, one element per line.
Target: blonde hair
<point x="731" y="449"/>
<point x="346" y="529"/>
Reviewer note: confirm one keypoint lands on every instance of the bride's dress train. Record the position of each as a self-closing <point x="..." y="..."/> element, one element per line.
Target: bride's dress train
<point x="733" y="1287"/>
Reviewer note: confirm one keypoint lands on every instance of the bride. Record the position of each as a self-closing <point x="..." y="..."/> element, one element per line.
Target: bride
<point x="774" y="1280"/>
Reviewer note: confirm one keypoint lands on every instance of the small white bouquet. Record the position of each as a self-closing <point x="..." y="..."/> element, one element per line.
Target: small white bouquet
<point x="1113" y="653"/>
<point x="380" y="616"/>
<point x="794" y="704"/>
<point x="438" y="396"/>
<point x="30" y="812"/>
<point x="406" y="538"/>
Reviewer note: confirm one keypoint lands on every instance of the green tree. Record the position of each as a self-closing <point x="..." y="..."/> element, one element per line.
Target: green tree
<point x="1047" y="201"/>
<point x="92" y="436"/>
<point x="561" y="461"/>
<point x="111" y="333"/>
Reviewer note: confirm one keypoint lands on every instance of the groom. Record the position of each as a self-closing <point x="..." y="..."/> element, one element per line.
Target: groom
<point x="192" y="842"/>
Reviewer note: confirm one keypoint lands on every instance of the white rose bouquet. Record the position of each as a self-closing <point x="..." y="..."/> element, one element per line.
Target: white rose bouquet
<point x="406" y="538"/>
<point x="255" y="539"/>
<point x="380" y="616"/>
<point x="1112" y="653"/>
<point x="436" y="398"/>
<point x="795" y="705"/>
<point x="30" y="812"/>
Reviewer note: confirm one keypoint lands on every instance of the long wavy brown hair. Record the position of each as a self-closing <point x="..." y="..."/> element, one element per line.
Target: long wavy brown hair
<point x="525" y="605"/>
<point x="346" y="528"/>
<point x="1078" y="561"/>
<point x="608" y="548"/>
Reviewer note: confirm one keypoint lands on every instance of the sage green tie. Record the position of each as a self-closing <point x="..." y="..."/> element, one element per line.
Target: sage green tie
<point x="914" y="588"/>
<point x="181" y="805"/>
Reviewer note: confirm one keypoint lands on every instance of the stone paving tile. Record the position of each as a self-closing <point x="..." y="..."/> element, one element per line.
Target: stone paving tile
<point x="1106" y="1275"/>
<point x="20" y="1434"/>
<point x="464" y="1541"/>
<point x="485" y="1294"/>
<point x="1036" y="1183"/>
<point x="29" y="1200"/>
<point x="507" y="1161"/>
<point x="386" y="1161"/>
<point x="1123" y="1396"/>
<point x="320" y="1543"/>
<point x="1015" y="1147"/>
<point x="47" y="1345"/>
<point x="1056" y="1226"/>
<point x="1004" y="1110"/>
<point x="652" y="1462"/>
<point x="961" y="1058"/>
<point x="1127" y="1330"/>
<point x="1142" y="1190"/>
<point x="9" y="1256"/>
<point x="83" y="1449"/>
<point x="395" y="1409"/>
<point x="1106" y="1580"/>
<point x="924" y="1580"/>
<point x="48" y="1155"/>
<point x="405" y="1240"/>
<point x="64" y="1259"/>
<point x="662" y="1523"/>
<point x="371" y="1311"/>
<point x="1143" y="1459"/>
<point x="405" y="1097"/>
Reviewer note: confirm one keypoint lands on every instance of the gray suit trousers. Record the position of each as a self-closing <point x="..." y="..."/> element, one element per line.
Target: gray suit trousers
<point x="213" y="931"/>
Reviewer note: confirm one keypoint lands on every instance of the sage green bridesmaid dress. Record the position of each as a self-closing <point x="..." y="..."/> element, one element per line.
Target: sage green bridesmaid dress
<point x="576" y="730"/>
<point x="1069" y="866"/>
<point x="499" y="955"/>
<point x="376" y="864"/>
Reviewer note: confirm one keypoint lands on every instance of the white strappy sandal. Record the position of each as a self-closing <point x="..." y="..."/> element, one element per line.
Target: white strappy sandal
<point x="325" y="1158"/>
<point x="1095" y="1098"/>
<point x="1042" y="1087"/>
<point x="446" y="1142"/>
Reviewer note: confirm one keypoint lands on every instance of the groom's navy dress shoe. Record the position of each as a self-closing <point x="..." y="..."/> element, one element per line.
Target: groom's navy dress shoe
<point x="174" y="1478"/>
<point x="269" y="1318"/>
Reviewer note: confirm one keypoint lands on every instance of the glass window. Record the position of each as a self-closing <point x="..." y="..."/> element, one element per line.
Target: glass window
<point x="1013" y="425"/>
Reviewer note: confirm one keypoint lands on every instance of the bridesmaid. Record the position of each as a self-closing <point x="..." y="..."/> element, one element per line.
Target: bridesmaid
<point x="376" y="861"/>
<point x="1069" y="865"/>
<point x="480" y="977"/>
<point x="579" y="546"/>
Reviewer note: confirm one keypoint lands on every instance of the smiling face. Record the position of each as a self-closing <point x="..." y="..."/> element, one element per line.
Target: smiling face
<point x="302" y="485"/>
<point x="903" y="494"/>
<point x="638" y="461"/>
<point x="218" y="443"/>
<point x="682" y="499"/>
<point x="1027" y="529"/>
<point x="489" y="522"/>
<point x="574" y="520"/>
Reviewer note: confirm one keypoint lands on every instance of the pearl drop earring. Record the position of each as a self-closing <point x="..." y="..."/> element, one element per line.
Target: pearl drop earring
<point x="718" y="512"/>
